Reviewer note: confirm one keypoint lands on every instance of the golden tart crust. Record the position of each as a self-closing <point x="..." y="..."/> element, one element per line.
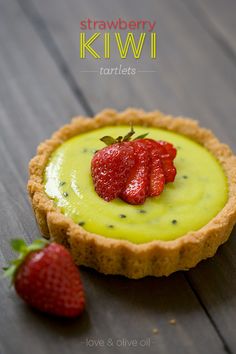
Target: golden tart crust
<point x="112" y="256"/>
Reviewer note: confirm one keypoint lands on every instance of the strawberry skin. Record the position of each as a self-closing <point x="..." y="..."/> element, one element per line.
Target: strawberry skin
<point x="157" y="176"/>
<point x="137" y="186"/>
<point x="110" y="167"/>
<point x="49" y="281"/>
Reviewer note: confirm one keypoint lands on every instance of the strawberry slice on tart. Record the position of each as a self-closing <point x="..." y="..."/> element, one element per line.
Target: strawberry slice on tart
<point x="137" y="184"/>
<point x="132" y="169"/>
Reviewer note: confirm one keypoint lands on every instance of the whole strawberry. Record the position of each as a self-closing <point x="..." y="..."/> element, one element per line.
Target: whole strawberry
<point x="46" y="278"/>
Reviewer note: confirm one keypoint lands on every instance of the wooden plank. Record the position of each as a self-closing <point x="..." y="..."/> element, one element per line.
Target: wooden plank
<point x="218" y="17"/>
<point x="193" y="77"/>
<point x="189" y="59"/>
<point x="34" y="100"/>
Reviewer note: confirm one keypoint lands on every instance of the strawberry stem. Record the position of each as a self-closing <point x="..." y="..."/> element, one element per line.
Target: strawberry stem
<point x="109" y="140"/>
<point x="128" y="136"/>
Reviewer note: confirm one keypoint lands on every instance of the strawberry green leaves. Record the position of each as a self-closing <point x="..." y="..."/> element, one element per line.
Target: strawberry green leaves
<point x="23" y="249"/>
<point x="108" y="140"/>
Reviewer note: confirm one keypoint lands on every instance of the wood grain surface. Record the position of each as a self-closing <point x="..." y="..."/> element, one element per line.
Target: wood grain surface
<point x="42" y="85"/>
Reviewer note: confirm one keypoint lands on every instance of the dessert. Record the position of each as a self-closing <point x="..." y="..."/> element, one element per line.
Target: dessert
<point x="172" y="231"/>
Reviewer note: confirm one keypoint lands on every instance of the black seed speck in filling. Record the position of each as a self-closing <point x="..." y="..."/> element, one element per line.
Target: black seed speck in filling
<point x="81" y="223"/>
<point x="174" y="222"/>
<point x="62" y="183"/>
<point x="85" y="150"/>
<point x="65" y="194"/>
<point x="185" y="177"/>
<point x="111" y="226"/>
<point x="122" y="216"/>
<point x="142" y="211"/>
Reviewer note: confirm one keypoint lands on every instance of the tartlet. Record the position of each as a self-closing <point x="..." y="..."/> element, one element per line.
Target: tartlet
<point x="120" y="256"/>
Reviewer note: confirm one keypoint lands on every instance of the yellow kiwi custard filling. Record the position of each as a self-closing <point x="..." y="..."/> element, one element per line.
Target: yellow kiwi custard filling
<point x="198" y="193"/>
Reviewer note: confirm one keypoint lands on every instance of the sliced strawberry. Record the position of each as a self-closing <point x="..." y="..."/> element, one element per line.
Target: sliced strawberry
<point x="137" y="185"/>
<point x="169" y="148"/>
<point x="157" y="177"/>
<point x="110" y="168"/>
<point x="169" y="170"/>
<point x="166" y="159"/>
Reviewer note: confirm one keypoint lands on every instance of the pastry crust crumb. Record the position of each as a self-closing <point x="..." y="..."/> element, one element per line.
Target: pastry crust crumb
<point x="155" y="330"/>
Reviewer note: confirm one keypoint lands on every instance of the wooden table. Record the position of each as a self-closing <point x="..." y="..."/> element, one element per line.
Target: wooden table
<point x="42" y="85"/>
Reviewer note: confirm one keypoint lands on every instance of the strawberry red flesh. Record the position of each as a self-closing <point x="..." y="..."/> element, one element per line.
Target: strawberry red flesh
<point x="166" y="151"/>
<point x="49" y="281"/>
<point x="156" y="177"/>
<point x="169" y="170"/>
<point x="169" y="148"/>
<point x="110" y="167"/>
<point x="137" y="185"/>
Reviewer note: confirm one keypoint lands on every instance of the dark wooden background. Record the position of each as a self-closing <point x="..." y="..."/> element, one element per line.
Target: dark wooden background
<point x="41" y="87"/>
